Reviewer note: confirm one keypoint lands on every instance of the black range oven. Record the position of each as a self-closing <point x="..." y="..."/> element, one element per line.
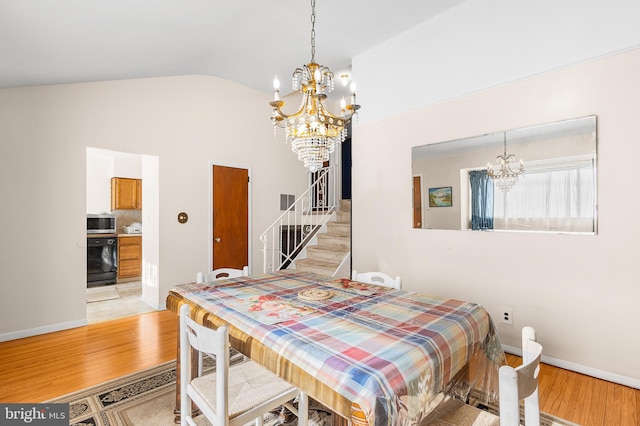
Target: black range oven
<point x="102" y="259"/>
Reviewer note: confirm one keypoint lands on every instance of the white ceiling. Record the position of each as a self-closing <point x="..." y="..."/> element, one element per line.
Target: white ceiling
<point x="69" y="41"/>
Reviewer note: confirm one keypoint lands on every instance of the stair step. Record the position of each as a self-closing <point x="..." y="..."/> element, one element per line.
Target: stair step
<point x="339" y="228"/>
<point x="327" y="253"/>
<point x="343" y="216"/>
<point x="317" y="266"/>
<point x="334" y="240"/>
<point x="332" y="246"/>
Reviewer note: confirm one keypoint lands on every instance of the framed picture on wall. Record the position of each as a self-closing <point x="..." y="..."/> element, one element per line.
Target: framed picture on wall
<point x="440" y="197"/>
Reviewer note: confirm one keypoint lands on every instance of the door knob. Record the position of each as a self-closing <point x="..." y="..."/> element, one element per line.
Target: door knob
<point x="217" y="240"/>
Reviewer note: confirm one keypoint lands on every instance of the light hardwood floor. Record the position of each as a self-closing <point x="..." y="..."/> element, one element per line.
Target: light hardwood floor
<point x="43" y="367"/>
<point x="39" y="368"/>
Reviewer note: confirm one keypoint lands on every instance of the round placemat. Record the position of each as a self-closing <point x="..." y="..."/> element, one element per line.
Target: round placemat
<point x="315" y="295"/>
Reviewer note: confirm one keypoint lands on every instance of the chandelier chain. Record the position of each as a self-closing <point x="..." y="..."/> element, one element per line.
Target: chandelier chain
<point x="313" y="30"/>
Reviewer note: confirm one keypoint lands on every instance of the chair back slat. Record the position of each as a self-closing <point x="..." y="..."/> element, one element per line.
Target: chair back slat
<point x="377" y="278"/>
<point x="221" y="274"/>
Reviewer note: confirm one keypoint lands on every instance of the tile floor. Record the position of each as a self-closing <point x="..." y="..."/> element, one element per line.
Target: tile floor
<point x="128" y="303"/>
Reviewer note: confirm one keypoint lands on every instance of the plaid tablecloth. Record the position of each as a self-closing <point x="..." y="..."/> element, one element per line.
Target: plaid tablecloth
<point x="390" y="351"/>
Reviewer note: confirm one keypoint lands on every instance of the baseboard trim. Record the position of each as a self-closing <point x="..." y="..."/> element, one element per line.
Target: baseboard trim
<point x="41" y="330"/>
<point x="582" y="369"/>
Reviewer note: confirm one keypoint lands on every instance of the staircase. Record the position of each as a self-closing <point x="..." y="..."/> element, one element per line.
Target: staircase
<point x="314" y="233"/>
<point x="333" y="246"/>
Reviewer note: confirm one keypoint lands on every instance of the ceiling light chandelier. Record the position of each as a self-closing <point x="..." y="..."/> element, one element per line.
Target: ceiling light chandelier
<point x="505" y="177"/>
<point x="313" y="131"/>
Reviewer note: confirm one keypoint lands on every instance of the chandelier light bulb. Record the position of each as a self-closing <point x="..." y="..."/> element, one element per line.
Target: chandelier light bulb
<point x="353" y="93"/>
<point x="276" y="89"/>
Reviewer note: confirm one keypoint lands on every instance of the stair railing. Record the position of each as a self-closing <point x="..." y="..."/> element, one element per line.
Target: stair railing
<point x="291" y="232"/>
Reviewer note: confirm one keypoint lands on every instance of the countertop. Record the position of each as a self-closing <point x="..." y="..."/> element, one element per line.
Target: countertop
<point x="113" y="235"/>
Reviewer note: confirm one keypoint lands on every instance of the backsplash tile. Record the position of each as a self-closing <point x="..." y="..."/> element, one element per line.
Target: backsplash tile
<point x="126" y="218"/>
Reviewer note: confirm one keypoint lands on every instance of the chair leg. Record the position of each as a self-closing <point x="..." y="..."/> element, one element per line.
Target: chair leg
<point x="532" y="409"/>
<point x="259" y="420"/>
<point x="303" y="409"/>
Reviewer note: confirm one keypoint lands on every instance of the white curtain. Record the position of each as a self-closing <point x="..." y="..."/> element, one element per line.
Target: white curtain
<point x="557" y="196"/>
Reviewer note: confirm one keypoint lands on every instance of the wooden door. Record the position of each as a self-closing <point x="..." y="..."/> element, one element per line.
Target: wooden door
<point x="230" y="217"/>
<point x="417" y="202"/>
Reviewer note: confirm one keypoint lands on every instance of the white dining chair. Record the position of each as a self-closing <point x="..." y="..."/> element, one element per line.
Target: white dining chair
<point x="521" y="383"/>
<point x="221" y="274"/>
<point x="515" y="384"/>
<point x="377" y="278"/>
<point x="232" y="395"/>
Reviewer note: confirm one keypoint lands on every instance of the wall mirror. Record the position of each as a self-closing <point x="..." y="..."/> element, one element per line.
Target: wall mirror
<point x="555" y="193"/>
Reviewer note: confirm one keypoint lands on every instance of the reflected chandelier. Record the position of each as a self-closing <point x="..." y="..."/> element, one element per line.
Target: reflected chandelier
<point x="504" y="176"/>
<point x="313" y="131"/>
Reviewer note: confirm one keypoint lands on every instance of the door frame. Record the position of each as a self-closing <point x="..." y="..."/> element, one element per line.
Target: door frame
<point x="249" y="213"/>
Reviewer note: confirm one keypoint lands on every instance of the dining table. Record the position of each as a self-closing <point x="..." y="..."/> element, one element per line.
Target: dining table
<point x="373" y="355"/>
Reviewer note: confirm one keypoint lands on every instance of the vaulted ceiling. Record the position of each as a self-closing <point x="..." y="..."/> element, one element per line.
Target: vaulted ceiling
<point x="69" y="41"/>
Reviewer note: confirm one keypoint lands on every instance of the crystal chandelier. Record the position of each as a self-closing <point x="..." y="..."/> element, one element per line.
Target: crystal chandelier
<point x="313" y="131"/>
<point x="504" y="176"/>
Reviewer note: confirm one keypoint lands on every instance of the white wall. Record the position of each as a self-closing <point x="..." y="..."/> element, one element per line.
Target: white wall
<point x="187" y="122"/>
<point x="484" y="43"/>
<point x="99" y="172"/>
<point x="580" y="292"/>
<point x="150" y="172"/>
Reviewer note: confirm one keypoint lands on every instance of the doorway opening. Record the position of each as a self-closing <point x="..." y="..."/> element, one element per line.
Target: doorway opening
<point x="135" y="293"/>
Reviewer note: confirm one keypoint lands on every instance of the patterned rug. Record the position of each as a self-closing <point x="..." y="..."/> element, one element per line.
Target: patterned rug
<point x="545" y="418"/>
<point x="147" y="398"/>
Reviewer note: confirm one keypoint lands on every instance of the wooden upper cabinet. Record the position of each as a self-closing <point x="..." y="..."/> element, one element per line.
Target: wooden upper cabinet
<point x="126" y="194"/>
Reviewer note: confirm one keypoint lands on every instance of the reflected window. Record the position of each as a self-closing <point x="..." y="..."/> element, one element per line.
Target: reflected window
<point x="553" y="196"/>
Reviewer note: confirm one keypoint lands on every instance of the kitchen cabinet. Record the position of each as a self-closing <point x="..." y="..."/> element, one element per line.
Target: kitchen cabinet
<point x="129" y="257"/>
<point x="126" y="194"/>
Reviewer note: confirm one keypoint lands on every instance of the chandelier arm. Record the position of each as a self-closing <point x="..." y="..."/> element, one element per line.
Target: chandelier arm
<point x="277" y="105"/>
<point x="350" y="109"/>
<point x="327" y="113"/>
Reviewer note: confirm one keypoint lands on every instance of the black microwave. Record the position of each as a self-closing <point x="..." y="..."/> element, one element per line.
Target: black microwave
<point x="101" y="223"/>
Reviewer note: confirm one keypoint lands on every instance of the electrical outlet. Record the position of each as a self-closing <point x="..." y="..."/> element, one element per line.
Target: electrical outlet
<point x="506" y="316"/>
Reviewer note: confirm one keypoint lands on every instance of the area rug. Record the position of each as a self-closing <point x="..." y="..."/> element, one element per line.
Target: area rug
<point x="147" y="398"/>
<point x="99" y="294"/>
<point x="545" y="418"/>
